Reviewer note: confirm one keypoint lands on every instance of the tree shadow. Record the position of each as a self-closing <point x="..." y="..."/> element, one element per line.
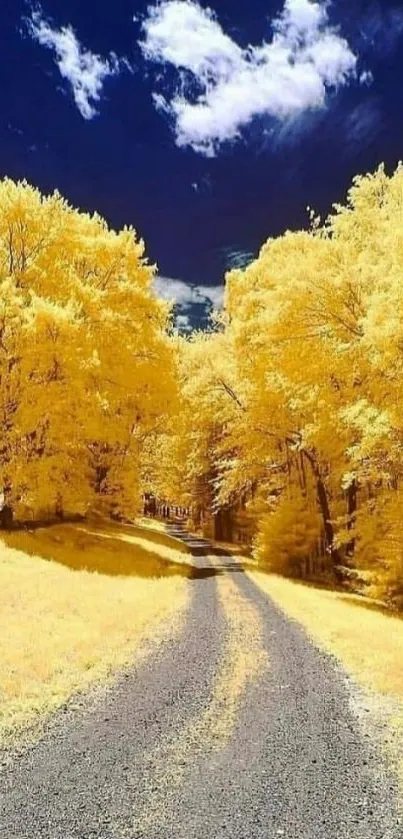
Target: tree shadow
<point x="240" y="564"/>
<point x="158" y="537"/>
<point x="342" y="593"/>
<point x="104" y="553"/>
<point x="363" y="602"/>
<point x="102" y="546"/>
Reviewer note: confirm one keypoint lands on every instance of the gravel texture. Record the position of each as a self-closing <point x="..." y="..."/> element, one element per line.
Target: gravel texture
<point x="299" y="763"/>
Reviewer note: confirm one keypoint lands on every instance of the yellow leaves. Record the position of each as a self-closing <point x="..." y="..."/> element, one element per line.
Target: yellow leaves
<point x="288" y="535"/>
<point x="82" y="345"/>
<point x="300" y="392"/>
<point x="347" y="479"/>
<point x="373" y="426"/>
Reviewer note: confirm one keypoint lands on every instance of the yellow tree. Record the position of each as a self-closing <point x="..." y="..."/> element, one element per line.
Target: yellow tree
<point x="314" y="328"/>
<point x="83" y="346"/>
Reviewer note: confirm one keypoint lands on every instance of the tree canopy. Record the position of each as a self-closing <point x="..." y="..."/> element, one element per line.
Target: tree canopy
<point x="83" y="345"/>
<point x="295" y="401"/>
<point x="289" y="404"/>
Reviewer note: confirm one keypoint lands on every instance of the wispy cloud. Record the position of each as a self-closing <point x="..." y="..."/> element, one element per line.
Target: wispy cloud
<point x="237" y="257"/>
<point x="193" y="303"/>
<point x="182" y="322"/>
<point x="363" y="124"/>
<point x="380" y="29"/>
<point x="85" y="71"/>
<point x="185" y="295"/>
<point x="222" y="87"/>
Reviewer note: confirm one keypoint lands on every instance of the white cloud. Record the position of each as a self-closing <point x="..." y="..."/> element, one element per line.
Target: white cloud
<point x="181" y="33"/>
<point x="185" y="295"/>
<point x="214" y="294"/>
<point x="83" y="70"/>
<point x="222" y="87"/>
<point x="183" y="323"/>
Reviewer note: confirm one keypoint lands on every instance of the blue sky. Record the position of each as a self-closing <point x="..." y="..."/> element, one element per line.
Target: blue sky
<point x="207" y="127"/>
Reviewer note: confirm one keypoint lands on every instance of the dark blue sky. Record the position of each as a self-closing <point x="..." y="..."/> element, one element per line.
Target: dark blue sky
<point x="193" y="210"/>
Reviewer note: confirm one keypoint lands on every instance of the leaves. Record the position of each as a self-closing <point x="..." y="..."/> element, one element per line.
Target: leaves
<point x="83" y="342"/>
<point x="299" y="394"/>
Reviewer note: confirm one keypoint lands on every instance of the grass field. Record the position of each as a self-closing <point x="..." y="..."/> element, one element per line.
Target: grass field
<point x="105" y="548"/>
<point x="74" y="609"/>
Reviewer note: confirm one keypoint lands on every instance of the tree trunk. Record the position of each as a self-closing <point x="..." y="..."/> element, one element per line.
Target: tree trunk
<point x="6" y="512"/>
<point x="59" y="512"/>
<point x="324" y="507"/>
<point x="351" y="511"/>
<point x="6" y="517"/>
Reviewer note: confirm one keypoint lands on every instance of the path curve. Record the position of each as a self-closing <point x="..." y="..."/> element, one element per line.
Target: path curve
<point x="238" y="728"/>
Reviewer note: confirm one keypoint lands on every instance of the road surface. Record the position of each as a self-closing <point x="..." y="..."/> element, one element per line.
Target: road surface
<point x="237" y="728"/>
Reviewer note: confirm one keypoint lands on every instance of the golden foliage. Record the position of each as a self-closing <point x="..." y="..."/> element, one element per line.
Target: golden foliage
<point x="290" y="406"/>
<point x="298" y="392"/>
<point x="82" y="344"/>
<point x="288" y="536"/>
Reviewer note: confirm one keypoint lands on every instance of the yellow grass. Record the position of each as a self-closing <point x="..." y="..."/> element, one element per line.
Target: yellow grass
<point x="367" y="641"/>
<point x="98" y="547"/>
<point x="63" y="629"/>
<point x="150" y="523"/>
<point x="166" y="552"/>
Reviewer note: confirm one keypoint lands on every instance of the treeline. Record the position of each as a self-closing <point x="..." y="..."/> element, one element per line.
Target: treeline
<point x="290" y="405"/>
<point x="293" y="403"/>
<point x="87" y="372"/>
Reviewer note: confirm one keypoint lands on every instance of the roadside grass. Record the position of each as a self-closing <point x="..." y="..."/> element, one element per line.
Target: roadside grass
<point x="366" y="640"/>
<point x="151" y="523"/>
<point x="158" y="536"/>
<point x="103" y="547"/>
<point x="69" y="624"/>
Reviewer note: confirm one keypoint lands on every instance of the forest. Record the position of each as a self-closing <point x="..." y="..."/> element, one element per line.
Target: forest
<point x="288" y="405"/>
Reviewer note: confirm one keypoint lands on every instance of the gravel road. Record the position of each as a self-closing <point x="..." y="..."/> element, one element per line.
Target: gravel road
<point x="225" y="732"/>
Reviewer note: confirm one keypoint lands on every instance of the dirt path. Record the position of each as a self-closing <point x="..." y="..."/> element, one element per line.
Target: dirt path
<point x="239" y="728"/>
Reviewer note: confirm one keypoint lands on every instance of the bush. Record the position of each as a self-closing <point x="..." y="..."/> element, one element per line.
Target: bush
<point x="287" y="537"/>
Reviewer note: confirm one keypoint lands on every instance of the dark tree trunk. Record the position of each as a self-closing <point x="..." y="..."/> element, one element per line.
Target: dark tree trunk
<point x="303" y="475"/>
<point x="101" y="473"/>
<point x="324" y="507"/>
<point x="351" y="511"/>
<point x="7" y="512"/>
<point x="223" y="525"/>
<point x="59" y="512"/>
<point x="6" y="517"/>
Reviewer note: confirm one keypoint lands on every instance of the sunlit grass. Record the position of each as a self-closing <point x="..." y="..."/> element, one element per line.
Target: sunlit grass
<point x="63" y="629"/>
<point x="366" y="640"/>
<point x="175" y="560"/>
<point x="105" y="548"/>
<point x="151" y="524"/>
